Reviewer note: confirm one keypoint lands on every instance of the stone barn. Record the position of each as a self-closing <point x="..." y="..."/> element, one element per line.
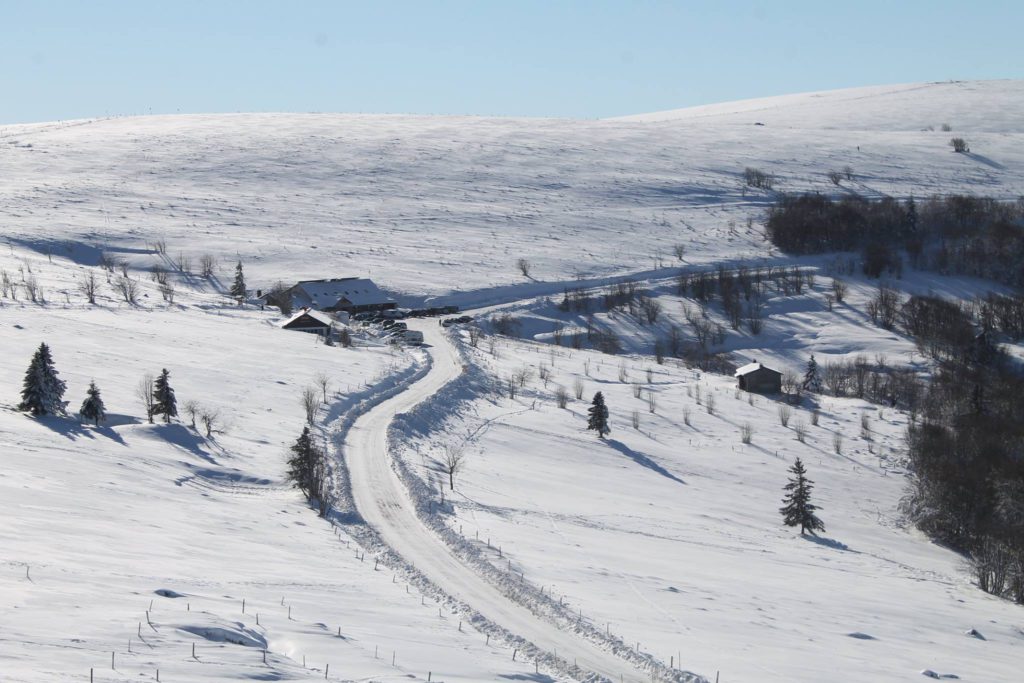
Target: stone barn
<point x="757" y="378"/>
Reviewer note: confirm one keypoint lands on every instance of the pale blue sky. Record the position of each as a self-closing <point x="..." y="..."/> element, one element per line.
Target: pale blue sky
<point x="64" y="59"/>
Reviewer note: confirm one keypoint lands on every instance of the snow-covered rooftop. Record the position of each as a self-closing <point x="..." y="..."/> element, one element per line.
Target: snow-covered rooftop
<point x="751" y="367"/>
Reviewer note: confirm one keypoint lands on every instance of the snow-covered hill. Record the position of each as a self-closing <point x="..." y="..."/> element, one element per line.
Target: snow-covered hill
<point x="668" y="536"/>
<point x="435" y="204"/>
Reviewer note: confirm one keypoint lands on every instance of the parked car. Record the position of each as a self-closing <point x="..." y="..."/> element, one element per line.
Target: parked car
<point x="394" y="313"/>
<point x="364" y="316"/>
<point x="412" y="336"/>
<point x="448" y="322"/>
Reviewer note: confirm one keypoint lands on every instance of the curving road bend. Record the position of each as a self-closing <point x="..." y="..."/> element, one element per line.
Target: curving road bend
<point x="385" y="505"/>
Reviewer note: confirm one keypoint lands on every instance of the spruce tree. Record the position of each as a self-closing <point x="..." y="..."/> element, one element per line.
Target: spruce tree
<point x="238" y="287"/>
<point x="798" y="509"/>
<point x="164" y="402"/>
<point x="911" y="219"/>
<point x="812" y="377"/>
<point x="42" y="391"/>
<point x="92" y="407"/>
<point x="304" y="464"/>
<point x="598" y="419"/>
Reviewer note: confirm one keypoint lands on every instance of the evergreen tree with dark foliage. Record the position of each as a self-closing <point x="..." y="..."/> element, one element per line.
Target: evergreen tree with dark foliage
<point x="42" y="391"/>
<point x="812" y="377"/>
<point x="307" y="469"/>
<point x="798" y="509"/>
<point x="164" y="402"/>
<point x="598" y="420"/>
<point x="92" y="407"/>
<point x="238" y="287"/>
<point x="302" y="463"/>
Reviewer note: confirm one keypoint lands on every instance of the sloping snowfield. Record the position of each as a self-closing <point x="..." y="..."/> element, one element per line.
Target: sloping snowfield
<point x="436" y="204"/>
<point x="665" y="538"/>
<point x="669" y="535"/>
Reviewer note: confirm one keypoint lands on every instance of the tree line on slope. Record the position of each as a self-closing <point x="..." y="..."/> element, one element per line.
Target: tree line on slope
<point x="42" y="394"/>
<point x="43" y="390"/>
<point x="954" y="234"/>
<point x="126" y="287"/>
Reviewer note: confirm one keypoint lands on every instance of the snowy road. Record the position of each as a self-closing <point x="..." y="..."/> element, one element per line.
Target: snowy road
<point x="385" y="505"/>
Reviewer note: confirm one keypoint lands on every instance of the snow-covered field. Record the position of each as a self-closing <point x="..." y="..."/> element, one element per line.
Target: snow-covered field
<point x="440" y="204"/>
<point x="665" y="537"/>
<point x="669" y="535"/>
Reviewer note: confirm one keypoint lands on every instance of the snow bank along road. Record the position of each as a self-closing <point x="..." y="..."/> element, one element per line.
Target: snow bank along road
<point x="385" y="505"/>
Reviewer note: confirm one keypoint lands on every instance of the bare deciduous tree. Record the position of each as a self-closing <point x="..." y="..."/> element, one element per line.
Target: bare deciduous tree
<point x="562" y="396"/>
<point x="310" y="403"/>
<point x="167" y="292"/>
<point x="210" y="417"/>
<point x="838" y="289"/>
<point x="88" y="286"/>
<point x="524" y="267"/>
<point x="144" y="391"/>
<point x="746" y="432"/>
<point x="207" y="265"/>
<point x="651" y="308"/>
<point x="158" y="274"/>
<point x="784" y="414"/>
<point x="31" y="288"/>
<point x="800" y="429"/>
<point x="577" y="388"/>
<point x="454" y="461"/>
<point x="191" y="409"/>
<point x="128" y="288"/>
<point x="184" y="263"/>
<point x="324" y="382"/>
<point x="679" y="250"/>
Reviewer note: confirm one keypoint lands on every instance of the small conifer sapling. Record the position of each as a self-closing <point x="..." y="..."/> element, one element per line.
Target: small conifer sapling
<point x="92" y="408"/>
